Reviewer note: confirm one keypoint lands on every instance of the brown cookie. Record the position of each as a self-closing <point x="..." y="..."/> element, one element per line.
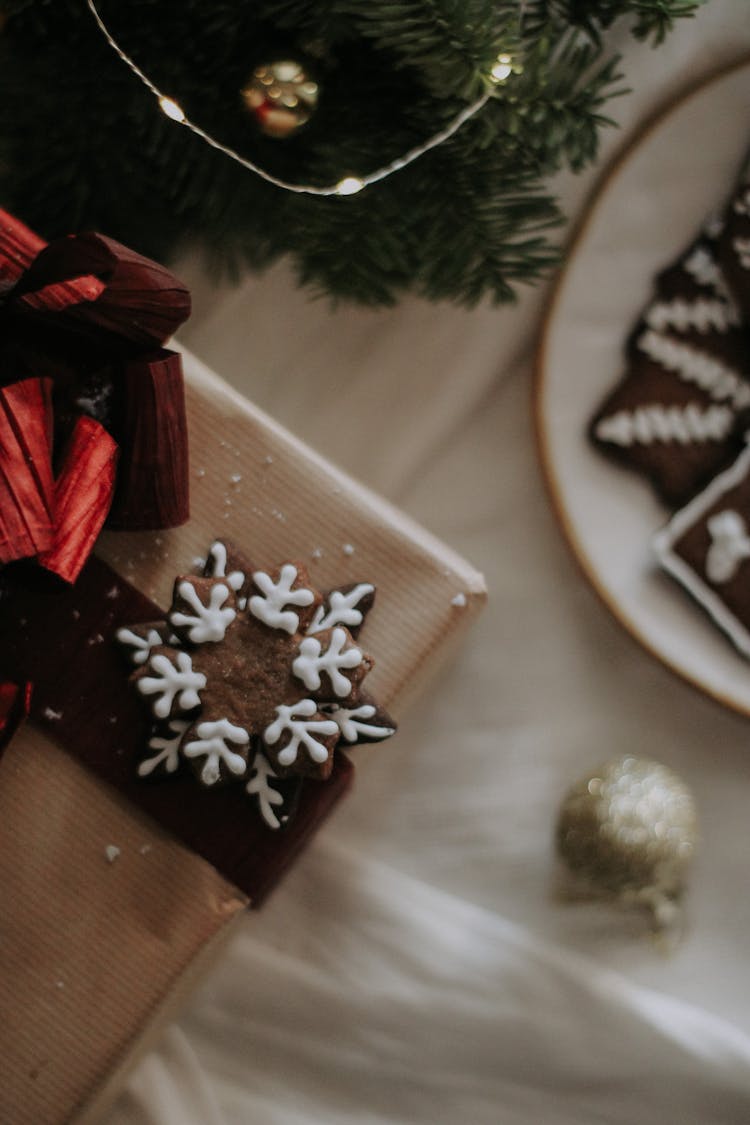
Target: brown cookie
<point x="679" y="413"/>
<point x="259" y="686"/>
<point x="706" y="548"/>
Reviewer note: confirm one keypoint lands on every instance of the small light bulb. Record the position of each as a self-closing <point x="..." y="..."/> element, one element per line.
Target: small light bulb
<point x="502" y="69"/>
<point x="171" y="109"/>
<point x="350" y="185"/>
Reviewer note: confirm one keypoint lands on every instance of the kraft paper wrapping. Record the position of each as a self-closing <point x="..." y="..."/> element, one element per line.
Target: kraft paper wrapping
<point x="95" y="951"/>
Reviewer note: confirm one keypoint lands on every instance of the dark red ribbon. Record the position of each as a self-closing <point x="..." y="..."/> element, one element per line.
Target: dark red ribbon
<point x="63" y="642"/>
<point x="92" y="412"/>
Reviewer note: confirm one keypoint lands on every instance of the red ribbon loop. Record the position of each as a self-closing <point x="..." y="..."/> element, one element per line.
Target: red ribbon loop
<point x="82" y="321"/>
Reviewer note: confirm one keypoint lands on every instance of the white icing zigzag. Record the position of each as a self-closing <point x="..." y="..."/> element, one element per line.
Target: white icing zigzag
<point x="217" y="568"/>
<point x="214" y="742"/>
<point x="301" y="723"/>
<point x="313" y="660"/>
<point x="741" y="247"/>
<point x="342" y="609"/>
<point x="167" y="747"/>
<point x="173" y="684"/>
<point x="704" y="270"/>
<point x="207" y="622"/>
<point x="352" y="723"/>
<point x="703" y="314"/>
<point x="139" y="647"/>
<point x="647" y="424"/>
<point x="270" y="604"/>
<point x="730" y="544"/>
<point x="693" y="366"/>
<point x="260" y="786"/>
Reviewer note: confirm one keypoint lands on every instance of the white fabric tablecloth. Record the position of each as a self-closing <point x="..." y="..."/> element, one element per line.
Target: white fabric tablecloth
<point x="416" y="966"/>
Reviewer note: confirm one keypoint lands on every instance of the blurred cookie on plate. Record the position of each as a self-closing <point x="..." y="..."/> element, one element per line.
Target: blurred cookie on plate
<point x="706" y="548"/>
<point x="679" y="413"/>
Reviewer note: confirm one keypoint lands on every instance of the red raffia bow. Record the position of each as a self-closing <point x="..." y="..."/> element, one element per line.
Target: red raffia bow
<point x="92" y="411"/>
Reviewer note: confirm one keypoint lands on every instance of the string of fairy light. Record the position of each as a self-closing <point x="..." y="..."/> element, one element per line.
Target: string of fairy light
<point x="501" y="70"/>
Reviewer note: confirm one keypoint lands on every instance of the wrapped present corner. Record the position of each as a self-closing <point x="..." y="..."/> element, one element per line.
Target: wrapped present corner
<point x="109" y="908"/>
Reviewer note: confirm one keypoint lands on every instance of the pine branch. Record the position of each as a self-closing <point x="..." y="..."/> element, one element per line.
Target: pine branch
<point x="471" y="219"/>
<point x="651" y="19"/>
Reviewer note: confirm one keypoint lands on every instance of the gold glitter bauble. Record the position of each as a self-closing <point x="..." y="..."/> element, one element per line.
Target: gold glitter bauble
<point x="281" y="96"/>
<point x="629" y="831"/>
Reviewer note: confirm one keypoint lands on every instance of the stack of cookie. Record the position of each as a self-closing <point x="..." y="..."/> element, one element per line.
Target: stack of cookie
<point x="681" y="414"/>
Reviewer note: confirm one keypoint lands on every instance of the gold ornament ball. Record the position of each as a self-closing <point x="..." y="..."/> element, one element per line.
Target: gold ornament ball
<point x="629" y="831"/>
<point x="281" y="96"/>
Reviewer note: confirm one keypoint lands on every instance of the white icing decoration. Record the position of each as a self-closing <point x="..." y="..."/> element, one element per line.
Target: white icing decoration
<point x="172" y="682"/>
<point x="168" y="749"/>
<point x="342" y="609"/>
<point x="693" y="582"/>
<point x="704" y="270"/>
<point x="208" y="622"/>
<point x="702" y="314"/>
<point x="213" y="743"/>
<point x="217" y="555"/>
<point x="648" y="424"/>
<point x="298" y="721"/>
<point x="268" y="606"/>
<point x="259" y="786"/>
<point x="741" y="247"/>
<point x="348" y="720"/>
<point x="312" y="660"/>
<point x="730" y="545"/>
<point x="140" y="647"/>
<point x="693" y="366"/>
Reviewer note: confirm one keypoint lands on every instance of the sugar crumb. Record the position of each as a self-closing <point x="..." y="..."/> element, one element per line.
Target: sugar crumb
<point x="112" y="852"/>
<point x="53" y="716"/>
<point x="348" y="549"/>
<point x="459" y="600"/>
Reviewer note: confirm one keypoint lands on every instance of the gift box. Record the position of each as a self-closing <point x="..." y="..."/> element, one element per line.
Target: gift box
<point x="107" y="915"/>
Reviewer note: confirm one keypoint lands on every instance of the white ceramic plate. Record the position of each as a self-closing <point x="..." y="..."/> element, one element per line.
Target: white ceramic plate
<point x="650" y="205"/>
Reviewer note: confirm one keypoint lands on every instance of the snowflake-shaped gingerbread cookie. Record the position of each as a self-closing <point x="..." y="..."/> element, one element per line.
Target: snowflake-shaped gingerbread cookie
<point x="254" y="676"/>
